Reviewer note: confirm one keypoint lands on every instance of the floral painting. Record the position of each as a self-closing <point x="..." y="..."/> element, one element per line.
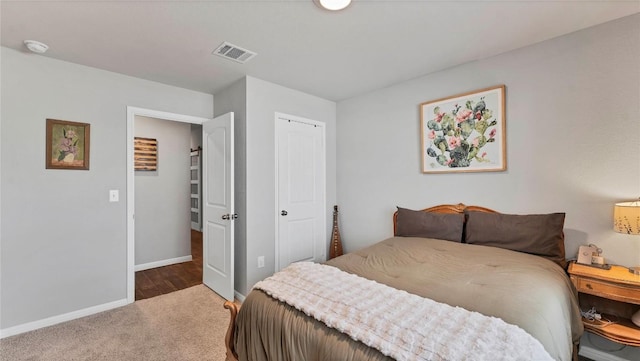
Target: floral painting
<point x="67" y="145"/>
<point x="464" y="133"/>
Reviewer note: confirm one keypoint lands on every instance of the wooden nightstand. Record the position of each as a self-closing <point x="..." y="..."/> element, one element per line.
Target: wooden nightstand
<point x="615" y="293"/>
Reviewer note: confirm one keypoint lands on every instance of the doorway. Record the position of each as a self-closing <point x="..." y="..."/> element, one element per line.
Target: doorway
<point x="168" y="256"/>
<point x="132" y="113"/>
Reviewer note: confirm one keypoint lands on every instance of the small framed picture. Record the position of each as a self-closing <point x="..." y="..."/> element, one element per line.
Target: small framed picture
<point x="67" y="145"/>
<point x="145" y="154"/>
<point x="464" y="132"/>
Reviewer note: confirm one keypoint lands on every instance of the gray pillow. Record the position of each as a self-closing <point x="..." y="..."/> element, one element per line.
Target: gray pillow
<point x="410" y="223"/>
<point x="538" y="234"/>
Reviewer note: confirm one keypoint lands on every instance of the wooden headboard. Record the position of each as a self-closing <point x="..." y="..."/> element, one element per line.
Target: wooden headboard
<point x="447" y="208"/>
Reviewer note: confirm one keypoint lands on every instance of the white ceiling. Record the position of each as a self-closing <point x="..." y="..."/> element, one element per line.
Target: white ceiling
<point x="370" y="45"/>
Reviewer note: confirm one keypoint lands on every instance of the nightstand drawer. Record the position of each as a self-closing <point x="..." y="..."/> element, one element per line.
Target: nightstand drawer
<point x="609" y="290"/>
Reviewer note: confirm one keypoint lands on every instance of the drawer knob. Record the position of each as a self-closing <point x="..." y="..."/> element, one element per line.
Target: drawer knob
<point x="589" y="286"/>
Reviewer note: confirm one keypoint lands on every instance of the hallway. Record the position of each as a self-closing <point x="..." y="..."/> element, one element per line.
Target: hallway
<point x="158" y="281"/>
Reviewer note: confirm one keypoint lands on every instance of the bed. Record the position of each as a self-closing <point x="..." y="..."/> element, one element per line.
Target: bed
<point x="508" y="268"/>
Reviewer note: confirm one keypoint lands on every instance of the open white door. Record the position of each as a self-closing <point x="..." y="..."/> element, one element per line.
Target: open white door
<point x="218" y="209"/>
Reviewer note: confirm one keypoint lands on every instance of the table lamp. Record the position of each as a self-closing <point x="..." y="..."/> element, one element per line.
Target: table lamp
<point x="626" y="219"/>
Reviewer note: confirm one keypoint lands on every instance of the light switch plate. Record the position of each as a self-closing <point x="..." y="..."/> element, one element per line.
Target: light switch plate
<point x="114" y="195"/>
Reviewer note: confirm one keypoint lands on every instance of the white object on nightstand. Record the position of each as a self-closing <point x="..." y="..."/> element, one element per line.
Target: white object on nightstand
<point x="636" y="318"/>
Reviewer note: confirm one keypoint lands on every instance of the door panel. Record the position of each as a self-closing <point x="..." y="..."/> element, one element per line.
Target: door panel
<point x="301" y="166"/>
<point x="301" y="191"/>
<point x="218" y="207"/>
<point x="216" y="251"/>
<point x="301" y="236"/>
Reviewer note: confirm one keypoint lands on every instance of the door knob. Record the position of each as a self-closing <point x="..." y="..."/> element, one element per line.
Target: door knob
<point x="283" y="213"/>
<point x="225" y="216"/>
<point x="234" y="216"/>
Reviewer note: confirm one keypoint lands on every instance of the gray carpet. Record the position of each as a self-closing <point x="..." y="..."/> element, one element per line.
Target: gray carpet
<point x="185" y="325"/>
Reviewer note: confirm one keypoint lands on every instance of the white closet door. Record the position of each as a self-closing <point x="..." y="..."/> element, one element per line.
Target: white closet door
<point x="301" y="233"/>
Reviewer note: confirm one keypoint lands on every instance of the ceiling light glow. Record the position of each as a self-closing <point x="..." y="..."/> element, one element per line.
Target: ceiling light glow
<point x="333" y="5"/>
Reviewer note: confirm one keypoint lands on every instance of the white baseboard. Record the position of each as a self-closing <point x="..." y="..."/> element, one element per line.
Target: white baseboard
<point x="54" y="320"/>
<point x="162" y="263"/>
<point x="239" y="296"/>
<point x="598" y="355"/>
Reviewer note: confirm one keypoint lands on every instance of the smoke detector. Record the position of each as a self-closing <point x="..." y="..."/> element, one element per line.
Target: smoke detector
<point x="36" y="46"/>
<point x="234" y="52"/>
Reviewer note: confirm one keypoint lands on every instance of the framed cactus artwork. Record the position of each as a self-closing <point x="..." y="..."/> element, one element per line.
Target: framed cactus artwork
<point x="465" y="132"/>
<point x="67" y="145"/>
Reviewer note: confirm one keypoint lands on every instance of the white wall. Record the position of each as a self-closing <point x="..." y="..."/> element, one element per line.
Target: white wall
<point x="255" y="103"/>
<point x="572" y="119"/>
<point x="196" y="136"/>
<point x="63" y="243"/>
<point x="163" y="196"/>
<point x="264" y="99"/>
<point x="572" y="108"/>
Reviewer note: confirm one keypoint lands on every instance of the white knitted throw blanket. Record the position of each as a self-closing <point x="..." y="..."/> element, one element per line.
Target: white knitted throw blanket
<point x="400" y="325"/>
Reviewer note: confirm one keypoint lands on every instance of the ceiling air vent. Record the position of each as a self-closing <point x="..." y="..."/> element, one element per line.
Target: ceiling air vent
<point x="233" y="52"/>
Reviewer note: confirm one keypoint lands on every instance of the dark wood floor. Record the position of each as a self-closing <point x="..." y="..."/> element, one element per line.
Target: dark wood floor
<point x="159" y="281"/>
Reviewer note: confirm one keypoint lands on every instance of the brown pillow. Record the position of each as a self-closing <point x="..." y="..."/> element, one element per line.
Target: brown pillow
<point x="429" y="225"/>
<point x="539" y="234"/>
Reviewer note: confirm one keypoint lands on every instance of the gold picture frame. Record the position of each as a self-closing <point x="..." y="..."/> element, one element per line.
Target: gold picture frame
<point x="67" y="145"/>
<point x="464" y="132"/>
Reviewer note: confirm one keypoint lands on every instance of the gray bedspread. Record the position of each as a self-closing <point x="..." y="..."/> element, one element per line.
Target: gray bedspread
<point x="528" y="291"/>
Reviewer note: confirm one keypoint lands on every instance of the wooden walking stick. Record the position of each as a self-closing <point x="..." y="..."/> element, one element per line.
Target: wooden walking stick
<point x="335" y="248"/>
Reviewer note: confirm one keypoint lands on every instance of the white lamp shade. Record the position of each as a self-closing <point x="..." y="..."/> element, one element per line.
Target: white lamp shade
<point x="626" y="217"/>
